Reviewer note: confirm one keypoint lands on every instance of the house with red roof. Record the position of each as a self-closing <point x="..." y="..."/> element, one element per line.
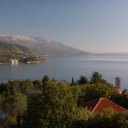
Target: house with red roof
<point x="101" y="104"/>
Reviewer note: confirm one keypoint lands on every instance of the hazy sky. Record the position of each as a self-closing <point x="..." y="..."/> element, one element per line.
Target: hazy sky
<point x="91" y="25"/>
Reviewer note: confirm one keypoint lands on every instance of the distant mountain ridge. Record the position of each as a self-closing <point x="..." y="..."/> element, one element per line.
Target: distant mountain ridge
<point x="42" y="45"/>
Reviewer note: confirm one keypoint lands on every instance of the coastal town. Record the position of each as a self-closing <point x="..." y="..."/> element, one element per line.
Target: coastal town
<point x="27" y="60"/>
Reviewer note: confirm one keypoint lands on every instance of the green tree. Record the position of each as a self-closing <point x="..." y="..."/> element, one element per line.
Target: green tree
<point x="26" y="86"/>
<point x="16" y="104"/>
<point x="13" y="87"/>
<point x="95" y="91"/>
<point x="37" y="84"/>
<point x="72" y="83"/>
<point x="97" y="78"/>
<point x="81" y="118"/>
<point x="54" y="108"/>
<point x="120" y="120"/>
<point x="45" y="80"/>
<point x="83" y="80"/>
<point x="120" y="99"/>
<point x="3" y="89"/>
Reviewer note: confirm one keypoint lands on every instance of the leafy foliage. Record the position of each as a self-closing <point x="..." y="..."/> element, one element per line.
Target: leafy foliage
<point x="83" y="80"/>
<point x="48" y="103"/>
<point x="56" y="106"/>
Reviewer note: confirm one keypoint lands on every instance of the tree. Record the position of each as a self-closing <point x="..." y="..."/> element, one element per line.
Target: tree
<point x="81" y="118"/>
<point x="83" y="80"/>
<point x="45" y="79"/>
<point x="120" y="99"/>
<point x="3" y="89"/>
<point x="97" y="78"/>
<point x="37" y="84"/>
<point x="26" y="86"/>
<point x="120" y="120"/>
<point x="15" y="106"/>
<point x="54" y="108"/>
<point x="13" y="87"/>
<point x="95" y="91"/>
<point x="72" y="83"/>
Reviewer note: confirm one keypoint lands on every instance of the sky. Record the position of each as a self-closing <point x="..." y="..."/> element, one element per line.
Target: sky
<point x="90" y="25"/>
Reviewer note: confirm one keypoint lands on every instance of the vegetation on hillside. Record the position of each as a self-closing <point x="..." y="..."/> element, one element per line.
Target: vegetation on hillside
<point x="10" y="51"/>
<point x="49" y="103"/>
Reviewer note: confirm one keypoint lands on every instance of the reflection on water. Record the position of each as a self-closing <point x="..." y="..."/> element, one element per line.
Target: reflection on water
<point x="66" y="68"/>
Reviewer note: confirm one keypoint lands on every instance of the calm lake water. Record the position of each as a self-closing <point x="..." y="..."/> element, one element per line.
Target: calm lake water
<point x="65" y="68"/>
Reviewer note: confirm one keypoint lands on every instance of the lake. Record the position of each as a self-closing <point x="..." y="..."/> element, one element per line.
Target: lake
<point x="67" y="67"/>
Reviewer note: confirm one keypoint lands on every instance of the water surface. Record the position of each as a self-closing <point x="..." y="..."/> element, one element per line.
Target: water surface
<point x="67" y="67"/>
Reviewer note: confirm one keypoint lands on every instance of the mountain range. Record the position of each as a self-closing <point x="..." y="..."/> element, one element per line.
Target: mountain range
<point x="41" y="45"/>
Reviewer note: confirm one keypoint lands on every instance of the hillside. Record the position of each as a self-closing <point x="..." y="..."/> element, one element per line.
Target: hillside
<point x="56" y="49"/>
<point x="42" y="45"/>
<point x="10" y="51"/>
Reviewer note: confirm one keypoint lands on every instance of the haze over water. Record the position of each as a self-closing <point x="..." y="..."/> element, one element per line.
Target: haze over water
<point x="67" y="67"/>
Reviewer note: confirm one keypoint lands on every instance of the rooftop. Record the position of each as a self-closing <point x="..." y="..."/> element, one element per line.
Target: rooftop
<point x="100" y="105"/>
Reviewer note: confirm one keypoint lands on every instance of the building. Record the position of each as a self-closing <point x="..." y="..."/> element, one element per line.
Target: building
<point x="117" y="86"/>
<point x="101" y="104"/>
<point x="117" y="82"/>
<point x="14" y="61"/>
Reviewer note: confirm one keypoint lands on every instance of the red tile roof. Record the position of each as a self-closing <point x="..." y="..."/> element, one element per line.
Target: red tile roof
<point x="100" y="105"/>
